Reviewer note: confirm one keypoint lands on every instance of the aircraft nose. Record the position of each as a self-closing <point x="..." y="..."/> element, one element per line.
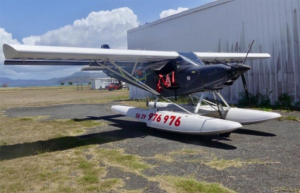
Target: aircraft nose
<point x="241" y="68"/>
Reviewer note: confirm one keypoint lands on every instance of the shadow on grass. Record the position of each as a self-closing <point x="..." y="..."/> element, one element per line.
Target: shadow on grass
<point x="125" y="129"/>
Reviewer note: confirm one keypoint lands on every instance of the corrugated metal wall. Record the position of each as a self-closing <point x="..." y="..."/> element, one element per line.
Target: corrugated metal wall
<point x="230" y="26"/>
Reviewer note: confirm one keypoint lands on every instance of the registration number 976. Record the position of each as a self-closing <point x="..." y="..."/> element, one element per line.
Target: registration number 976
<point x="165" y="119"/>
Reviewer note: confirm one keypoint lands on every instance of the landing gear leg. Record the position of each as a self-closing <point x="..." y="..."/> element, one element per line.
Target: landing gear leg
<point x="219" y="106"/>
<point x="155" y="102"/>
<point x="199" y="103"/>
<point x="192" y="100"/>
<point x="221" y="110"/>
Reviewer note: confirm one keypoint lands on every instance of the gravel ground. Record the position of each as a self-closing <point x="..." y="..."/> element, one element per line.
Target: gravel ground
<point x="275" y="144"/>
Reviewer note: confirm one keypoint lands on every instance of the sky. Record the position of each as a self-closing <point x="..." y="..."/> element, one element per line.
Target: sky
<point x="79" y="23"/>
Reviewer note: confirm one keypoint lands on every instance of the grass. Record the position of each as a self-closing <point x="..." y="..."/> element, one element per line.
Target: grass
<point x="119" y="159"/>
<point x="29" y="129"/>
<point x="191" y="185"/>
<point x="209" y="159"/>
<point x="187" y="152"/>
<point x="286" y="189"/>
<point x="54" y="172"/>
<point x="266" y="109"/>
<point x="164" y="158"/>
<point x="221" y="164"/>
<point x="25" y="119"/>
<point x="85" y="165"/>
<point x="89" y="179"/>
<point x="289" y="118"/>
<point x="107" y="184"/>
<point x="172" y="156"/>
<point x="33" y="173"/>
<point x="46" y="96"/>
<point x="135" y="103"/>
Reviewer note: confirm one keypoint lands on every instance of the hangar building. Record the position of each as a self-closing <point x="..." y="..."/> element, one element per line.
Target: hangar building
<point x="230" y="26"/>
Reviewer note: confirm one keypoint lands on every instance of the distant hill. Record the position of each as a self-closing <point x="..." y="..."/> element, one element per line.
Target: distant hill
<point x="76" y="78"/>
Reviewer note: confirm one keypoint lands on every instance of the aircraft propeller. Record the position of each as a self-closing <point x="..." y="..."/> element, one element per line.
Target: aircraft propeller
<point x="243" y="76"/>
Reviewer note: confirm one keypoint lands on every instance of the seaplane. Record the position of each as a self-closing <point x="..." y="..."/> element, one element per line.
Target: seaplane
<point x="164" y="74"/>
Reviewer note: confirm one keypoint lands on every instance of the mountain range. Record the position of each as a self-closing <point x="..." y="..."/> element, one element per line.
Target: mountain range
<point x="76" y="78"/>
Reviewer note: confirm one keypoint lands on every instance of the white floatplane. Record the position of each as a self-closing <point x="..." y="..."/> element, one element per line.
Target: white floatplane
<point x="164" y="74"/>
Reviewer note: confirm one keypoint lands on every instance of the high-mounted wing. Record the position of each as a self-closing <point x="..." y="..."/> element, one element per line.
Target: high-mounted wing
<point x="50" y="55"/>
<point x="25" y="52"/>
<point x="215" y="57"/>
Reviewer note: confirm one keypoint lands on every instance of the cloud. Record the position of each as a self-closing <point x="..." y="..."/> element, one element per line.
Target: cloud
<point x="93" y="31"/>
<point x="28" y="72"/>
<point x="31" y="40"/>
<point x="169" y="12"/>
<point x="7" y="38"/>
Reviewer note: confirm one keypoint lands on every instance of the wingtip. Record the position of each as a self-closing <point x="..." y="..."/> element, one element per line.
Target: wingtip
<point x="9" y="51"/>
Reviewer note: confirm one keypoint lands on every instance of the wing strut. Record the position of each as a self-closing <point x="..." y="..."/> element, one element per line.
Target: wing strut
<point x="199" y="103"/>
<point x="131" y="81"/>
<point x="149" y="89"/>
<point x="141" y="85"/>
<point x="133" y="69"/>
<point x="146" y="87"/>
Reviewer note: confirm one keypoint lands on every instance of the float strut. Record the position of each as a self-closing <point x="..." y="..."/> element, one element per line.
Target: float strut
<point x="199" y="103"/>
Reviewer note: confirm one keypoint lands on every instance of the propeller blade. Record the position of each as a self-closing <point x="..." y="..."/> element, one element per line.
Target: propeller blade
<point x="245" y="88"/>
<point x="243" y="76"/>
<point x="248" y="51"/>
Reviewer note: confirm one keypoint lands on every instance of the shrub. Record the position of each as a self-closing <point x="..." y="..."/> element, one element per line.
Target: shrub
<point x="284" y="101"/>
<point x="4" y="85"/>
<point x="243" y="100"/>
<point x="256" y="100"/>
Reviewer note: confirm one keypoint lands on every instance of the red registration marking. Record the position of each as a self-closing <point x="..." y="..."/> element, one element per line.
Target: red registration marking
<point x="158" y="117"/>
<point x="166" y="118"/>
<point x="140" y="116"/>
<point x="177" y="122"/>
<point x="150" y="116"/>
<point x="172" y="119"/>
<point x="137" y="116"/>
<point x="155" y="115"/>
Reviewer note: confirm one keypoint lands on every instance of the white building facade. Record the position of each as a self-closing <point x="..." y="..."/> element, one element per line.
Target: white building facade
<point x="101" y="83"/>
<point x="230" y="26"/>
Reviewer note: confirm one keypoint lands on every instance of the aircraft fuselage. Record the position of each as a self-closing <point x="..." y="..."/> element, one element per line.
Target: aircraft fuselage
<point x="185" y="75"/>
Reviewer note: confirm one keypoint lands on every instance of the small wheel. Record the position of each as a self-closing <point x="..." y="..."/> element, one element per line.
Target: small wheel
<point x="111" y="89"/>
<point x="225" y="134"/>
